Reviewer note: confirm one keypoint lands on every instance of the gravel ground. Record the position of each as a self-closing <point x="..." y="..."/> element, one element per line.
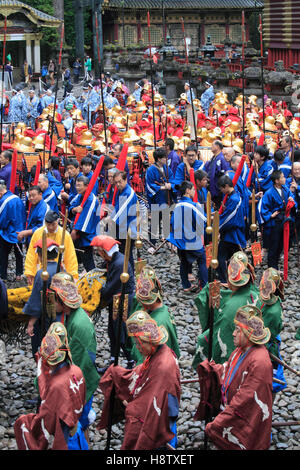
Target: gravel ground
<point x="17" y="368"/>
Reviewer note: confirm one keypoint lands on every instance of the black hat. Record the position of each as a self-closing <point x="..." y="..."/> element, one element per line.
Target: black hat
<point x="51" y="216"/>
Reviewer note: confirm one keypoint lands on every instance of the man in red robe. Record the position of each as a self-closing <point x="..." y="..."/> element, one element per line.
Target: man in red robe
<point x="62" y="392"/>
<point x="150" y="392"/>
<point x="243" y="396"/>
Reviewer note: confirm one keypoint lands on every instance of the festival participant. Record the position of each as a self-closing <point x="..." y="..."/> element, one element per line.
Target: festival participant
<point x="215" y="167"/>
<point x="294" y="184"/>
<point x="54" y="232"/>
<point x="239" y="290"/>
<point x="36" y="214"/>
<point x="228" y="153"/>
<point x="12" y="221"/>
<point x="271" y="295"/>
<point x="207" y="97"/>
<point x="82" y="338"/>
<point x="5" y="162"/>
<point x="33" y="307"/>
<point x="188" y="237"/>
<point x="232" y="226"/>
<point x="62" y="390"/>
<point x="261" y="178"/>
<point x="15" y="111"/>
<point x="84" y="230"/>
<point x="282" y="162"/>
<point x="148" y="297"/>
<point x="240" y="184"/>
<point x="124" y="212"/>
<point x="47" y="99"/>
<point x="286" y="145"/>
<point x="150" y="392"/>
<point x="245" y="387"/>
<point x="72" y="173"/>
<point x="117" y="149"/>
<point x="108" y="249"/>
<point x="49" y="195"/>
<point x="172" y="157"/>
<point x="189" y="160"/>
<point x="30" y="109"/>
<point x="87" y="170"/>
<point x="272" y="209"/>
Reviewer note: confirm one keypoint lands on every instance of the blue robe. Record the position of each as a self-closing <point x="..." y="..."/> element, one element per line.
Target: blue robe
<point x="36" y="216"/>
<point x="12" y="217"/>
<point x="242" y="190"/>
<point x="49" y="197"/>
<point x="173" y="161"/>
<point x="54" y="183"/>
<point x="15" y="112"/>
<point x="214" y="169"/>
<point x="88" y="219"/>
<point x="285" y="166"/>
<point x="124" y="213"/>
<point x="30" y="107"/>
<point x="5" y="174"/>
<point x="206" y="98"/>
<point x="187" y="225"/>
<point x="264" y="177"/>
<point x="45" y="101"/>
<point x="182" y="173"/>
<point x="154" y="194"/>
<point x="271" y="202"/>
<point x="232" y="224"/>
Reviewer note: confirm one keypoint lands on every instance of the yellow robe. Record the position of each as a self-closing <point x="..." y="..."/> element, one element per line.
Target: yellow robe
<point x="69" y="260"/>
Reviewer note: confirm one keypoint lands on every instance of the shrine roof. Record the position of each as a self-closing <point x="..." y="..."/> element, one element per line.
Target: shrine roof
<point x="184" y="4"/>
<point x="9" y="7"/>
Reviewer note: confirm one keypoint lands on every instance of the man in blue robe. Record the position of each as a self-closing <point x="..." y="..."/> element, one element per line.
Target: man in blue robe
<point x="36" y="215"/>
<point x="15" y="112"/>
<point x="207" y="97"/>
<point x="5" y="162"/>
<point x="216" y="167"/>
<point x="232" y="226"/>
<point x="173" y="157"/>
<point x="30" y="109"/>
<point x="85" y="228"/>
<point x="49" y="195"/>
<point x="272" y="211"/>
<point x="190" y="160"/>
<point x="12" y="221"/>
<point x="47" y="99"/>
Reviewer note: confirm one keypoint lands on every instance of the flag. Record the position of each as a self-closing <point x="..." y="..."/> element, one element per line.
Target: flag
<point x="8" y="57"/>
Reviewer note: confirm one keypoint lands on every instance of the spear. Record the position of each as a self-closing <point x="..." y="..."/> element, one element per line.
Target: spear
<point x="2" y="84"/>
<point x="212" y="275"/>
<point x="121" y="304"/>
<point x="190" y="82"/>
<point x="61" y="248"/>
<point x="56" y="88"/>
<point x="262" y="69"/>
<point x="151" y="73"/>
<point x="101" y="84"/>
<point x="45" y="277"/>
<point x="243" y="77"/>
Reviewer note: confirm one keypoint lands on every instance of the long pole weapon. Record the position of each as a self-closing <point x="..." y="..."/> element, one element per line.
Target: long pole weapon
<point x="2" y="84"/>
<point x="262" y="70"/>
<point x="61" y="247"/>
<point x="151" y="74"/>
<point x="45" y="277"/>
<point x="56" y="88"/>
<point x="101" y="84"/>
<point x="190" y="83"/>
<point x="121" y="312"/>
<point x="214" y="296"/>
<point x="243" y="77"/>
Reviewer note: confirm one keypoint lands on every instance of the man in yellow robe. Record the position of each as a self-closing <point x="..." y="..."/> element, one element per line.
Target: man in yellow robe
<point x="54" y="231"/>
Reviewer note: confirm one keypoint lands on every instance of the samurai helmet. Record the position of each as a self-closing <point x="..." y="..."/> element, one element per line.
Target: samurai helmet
<point x="249" y="318"/>
<point x="55" y="347"/>
<point x="148" y="287"/>
<point x="270" y="285"/>
<point x="141" y="325"/>
<point x="240" y="270"/>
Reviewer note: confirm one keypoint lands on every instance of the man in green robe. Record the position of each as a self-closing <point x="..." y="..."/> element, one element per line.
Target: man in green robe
<point x="81" y="336"/>
<point x="241" y="291"/>
<point x="149" y="298"/>
<point x="271" y="293"/>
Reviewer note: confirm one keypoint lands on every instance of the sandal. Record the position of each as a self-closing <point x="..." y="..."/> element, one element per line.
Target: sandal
<point x="192" y="288"/>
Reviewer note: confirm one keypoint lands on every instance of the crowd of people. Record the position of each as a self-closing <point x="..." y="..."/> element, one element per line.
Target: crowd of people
<point x="99" y="164"/>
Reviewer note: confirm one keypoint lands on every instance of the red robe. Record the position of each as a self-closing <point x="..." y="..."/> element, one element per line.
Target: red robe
<point x="245" y="422"/>
<point x="146" y="391"/>
<point x="62" y="398"/>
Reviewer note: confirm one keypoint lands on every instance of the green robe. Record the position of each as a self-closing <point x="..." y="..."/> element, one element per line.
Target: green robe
<point x="83" y="346"/>
<point x="223" y="321"/>
<point x="162" y="316"/>
<point x="272" y="317"/>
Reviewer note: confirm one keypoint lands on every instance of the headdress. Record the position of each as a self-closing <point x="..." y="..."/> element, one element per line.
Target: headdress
<point x="249" y="318"/>
<point x="142" y="326"/>
<point x="66" y="290"/>
<point x="240" y="270"/>
<point x="54" y="346"/>
<point x="148" y="288"/>
<point x="270" y="283"/>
